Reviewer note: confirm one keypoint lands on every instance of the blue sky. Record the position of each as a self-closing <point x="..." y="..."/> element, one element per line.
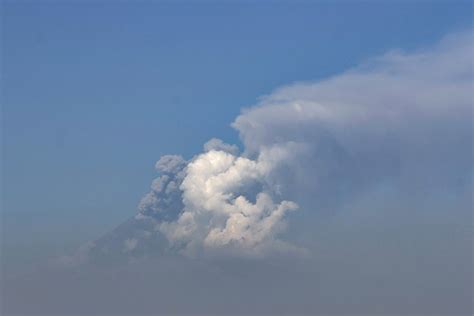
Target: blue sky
<point x="95" y="92"/>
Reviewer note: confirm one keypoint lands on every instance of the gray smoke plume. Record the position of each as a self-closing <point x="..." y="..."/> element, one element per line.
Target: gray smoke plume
<point x="351" y="195"/>
<point x="401" y="121"/>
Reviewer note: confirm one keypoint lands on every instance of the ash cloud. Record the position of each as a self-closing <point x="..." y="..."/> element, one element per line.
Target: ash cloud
<point x="217" y="216"/>
<point x="402" y="121"/>
<point x="403" y="117"/>
<point x="351" y="195"/>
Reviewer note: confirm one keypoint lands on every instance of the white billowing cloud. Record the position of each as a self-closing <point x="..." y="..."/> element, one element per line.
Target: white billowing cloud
<point x="400" y="123"/>
<point x="403" y="120"/>
<point x="388" y="92"/>
<point x="403" y="115"/>
<point x="218" y="213"/>
<point x="385" y="148"/>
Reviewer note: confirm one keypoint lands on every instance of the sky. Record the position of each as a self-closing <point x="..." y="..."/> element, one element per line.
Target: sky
<point x="351" y="119"/>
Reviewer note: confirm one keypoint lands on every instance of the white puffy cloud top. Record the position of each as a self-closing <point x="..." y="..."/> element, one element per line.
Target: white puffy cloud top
<point x="216" y="217"/>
